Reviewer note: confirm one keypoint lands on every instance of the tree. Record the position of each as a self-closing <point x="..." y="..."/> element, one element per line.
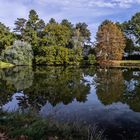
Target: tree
<point x="130" y="47"/>
<point x="110" y="42"/>
<point x="65" y="22"/>
<point x="40" y="28"/>
<point x="134" y="27"/>
<point x="69" y="25"/>
<point x="30" y="34"/>
<point x="20" y="24"/>
<point x="131" y="28"/>
<point x="84" y="31"/>
<point x="20" y="53"/>
<point x="6" y="37"/>
<point x="31" y="30"/>
<point x="52" y="21"/>
<point x="57" y="35"/>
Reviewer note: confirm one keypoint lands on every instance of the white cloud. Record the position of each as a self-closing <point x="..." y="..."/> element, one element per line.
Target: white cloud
<point x="92" y="3"/>
<point x="93" y="12"/>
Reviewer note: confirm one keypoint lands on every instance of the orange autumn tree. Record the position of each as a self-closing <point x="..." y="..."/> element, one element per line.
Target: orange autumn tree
<point x="110" y="42"/>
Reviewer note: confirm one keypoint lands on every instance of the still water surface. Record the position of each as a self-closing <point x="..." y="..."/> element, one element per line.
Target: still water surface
<point x="109" y="98"/>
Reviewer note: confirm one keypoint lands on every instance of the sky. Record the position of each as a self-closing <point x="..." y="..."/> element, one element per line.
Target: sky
<point x="93" y="12"/>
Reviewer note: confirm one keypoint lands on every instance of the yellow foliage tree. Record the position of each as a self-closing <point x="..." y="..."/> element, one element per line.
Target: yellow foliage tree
<point x="110" y="42"/>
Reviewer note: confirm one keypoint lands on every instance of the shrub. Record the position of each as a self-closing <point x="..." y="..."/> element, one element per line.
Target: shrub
<point x="20" y="53"/>
<point x="91" y="59"/>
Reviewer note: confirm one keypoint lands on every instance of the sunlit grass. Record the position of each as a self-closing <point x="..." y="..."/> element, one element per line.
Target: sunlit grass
<point x="5" y="65"/>
<point x="128" y="61"/>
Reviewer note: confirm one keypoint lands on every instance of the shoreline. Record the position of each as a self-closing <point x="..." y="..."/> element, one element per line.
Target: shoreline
<point x="120" y="63"/>
<point x="114" y="64"/>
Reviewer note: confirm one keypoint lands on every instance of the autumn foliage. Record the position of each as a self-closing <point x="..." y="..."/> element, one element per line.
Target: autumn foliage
<point x="110" y="42"/>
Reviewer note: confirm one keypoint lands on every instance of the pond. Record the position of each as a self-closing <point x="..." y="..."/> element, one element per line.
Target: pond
<point x="109" y="98"/>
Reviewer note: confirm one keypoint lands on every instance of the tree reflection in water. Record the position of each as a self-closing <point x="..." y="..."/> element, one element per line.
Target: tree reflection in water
<point x="119" y="85"/>
<point x="56" y="85"/>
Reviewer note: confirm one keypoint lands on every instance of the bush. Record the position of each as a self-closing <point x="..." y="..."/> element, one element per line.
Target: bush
<point x="20" y="53"/>
<point x="91" y="59"/>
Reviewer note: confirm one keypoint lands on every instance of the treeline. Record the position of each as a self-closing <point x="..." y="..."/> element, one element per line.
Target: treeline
<point x="52" y="43"/>
<point x="35" y="42"/>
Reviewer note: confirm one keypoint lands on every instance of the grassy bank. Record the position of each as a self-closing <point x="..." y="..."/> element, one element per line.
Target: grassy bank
<point x="29" y="127"/>
<point x="122" y="63"/>
<point x="5" y="65"/>
<point x="127" y="63"/>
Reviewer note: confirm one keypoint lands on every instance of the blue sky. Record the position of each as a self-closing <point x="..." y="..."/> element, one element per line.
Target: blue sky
<point x="93" y="12"/>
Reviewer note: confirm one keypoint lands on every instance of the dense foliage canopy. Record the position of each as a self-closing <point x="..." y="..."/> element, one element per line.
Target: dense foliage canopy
<point x="110" y="42"/>
<point x="64" y="43"/>
<point x="6" y="37"/>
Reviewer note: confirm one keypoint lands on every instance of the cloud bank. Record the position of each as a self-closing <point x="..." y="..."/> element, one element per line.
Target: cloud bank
<point x="93" y="12"/>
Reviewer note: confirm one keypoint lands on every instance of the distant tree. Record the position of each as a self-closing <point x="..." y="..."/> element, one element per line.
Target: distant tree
<point x="131" y="28"/>
<point x="52" y="21"/>
<point x="40" y="25"/>
<point x="77" y="39"/>
<point x="80" y="34"/>
<point x="31" y="30"/>
<point x="110" y="42"/>
<point x="20" y="25"/>
<point x="69" y="25"/>
<point x="6" y="37"/>
<point x="30" y="33"/>
<point x="134" y="27"/>
<point x="65" y="22"/>
<point x="57" y="35"/>
<point x="130" y="47"/>
<point x="84" y="31"/>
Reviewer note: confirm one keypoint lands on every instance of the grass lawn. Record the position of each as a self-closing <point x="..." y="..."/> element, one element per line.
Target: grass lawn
<point x="121" y="63"/>
<point x="124" y="63"/>
<point x="5" y="65"/>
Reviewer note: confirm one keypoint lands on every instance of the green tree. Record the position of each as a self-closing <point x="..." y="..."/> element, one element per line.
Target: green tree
<point x="80" y="35"/>
<point x="30" y="33"/>
<point x="110" y="42"/>
<point x="84" y="31"/>
<point x="20" y="24"/>
<point x="52" y="21"/>
<point x="131" y="30"/>
<point x="65" y="22"/>
<point x="31" y="30"/>
<point x="57" y="35"/>
<point x="130" y="47"/>
<point x="6" y="37"/>
<point x="134" y="27"/>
